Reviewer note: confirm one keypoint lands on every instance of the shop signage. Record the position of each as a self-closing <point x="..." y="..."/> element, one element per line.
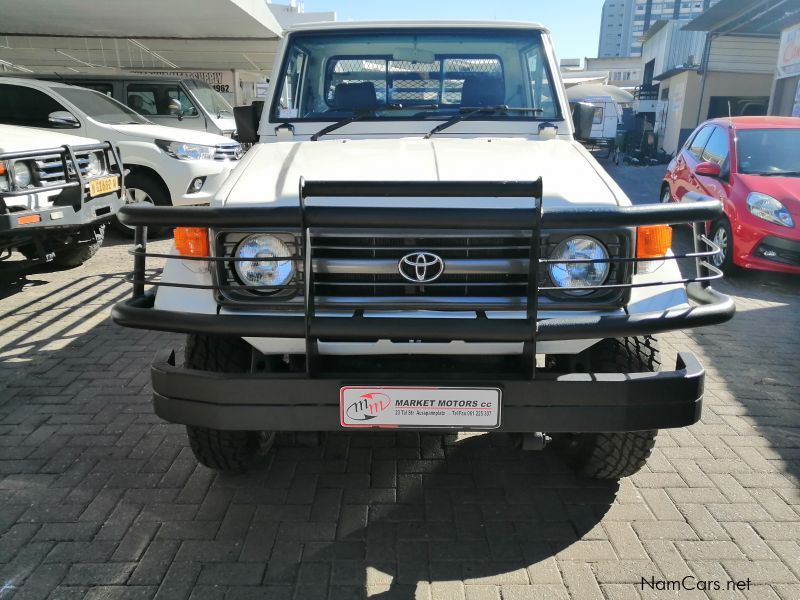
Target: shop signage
<point x="222" y="81"/>
<point x="789" y="53"/>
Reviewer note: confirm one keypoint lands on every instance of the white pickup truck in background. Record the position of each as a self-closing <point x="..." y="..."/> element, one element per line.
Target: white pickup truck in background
<point x="167" y="165"/>
<point x="57" y="192"/>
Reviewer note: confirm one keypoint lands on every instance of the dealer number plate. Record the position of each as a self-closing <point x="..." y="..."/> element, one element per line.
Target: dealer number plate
<point x="104" y="185"/>
<point x="437" y="407"/>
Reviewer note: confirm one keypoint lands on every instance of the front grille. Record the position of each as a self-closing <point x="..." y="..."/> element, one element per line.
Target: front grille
<point x="486" y="270"/>
<point x="50" y="168"/>
<point x="482" y="271"/>
<point x="227" y="152"/>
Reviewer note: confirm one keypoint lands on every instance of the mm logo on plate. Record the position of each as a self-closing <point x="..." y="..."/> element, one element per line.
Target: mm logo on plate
<point x="367" y="406"/>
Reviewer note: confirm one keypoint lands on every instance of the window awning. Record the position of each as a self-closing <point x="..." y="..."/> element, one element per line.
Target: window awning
<point x="756" y="17"/>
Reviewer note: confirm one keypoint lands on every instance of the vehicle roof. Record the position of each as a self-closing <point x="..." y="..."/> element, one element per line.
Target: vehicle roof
<point x="339" y="26"/>
<point x="16" y="138"/>
<point x="758" y="122"/>
<point x="93" y="76"/>
<point x="37" y="82"/>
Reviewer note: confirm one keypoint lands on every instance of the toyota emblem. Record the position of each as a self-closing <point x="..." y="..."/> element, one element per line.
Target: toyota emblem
<point x="421" y="267"/>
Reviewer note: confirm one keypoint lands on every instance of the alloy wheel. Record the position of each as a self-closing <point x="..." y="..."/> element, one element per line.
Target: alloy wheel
<point x="135" y="195"/>
<point x="720" y="239"/>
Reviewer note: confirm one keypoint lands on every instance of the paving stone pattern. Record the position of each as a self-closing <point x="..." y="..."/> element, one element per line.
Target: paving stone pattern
<point x="99" y="499"/>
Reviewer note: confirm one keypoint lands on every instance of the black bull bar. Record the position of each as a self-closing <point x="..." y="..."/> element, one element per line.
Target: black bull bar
<point x="712" y="307"/>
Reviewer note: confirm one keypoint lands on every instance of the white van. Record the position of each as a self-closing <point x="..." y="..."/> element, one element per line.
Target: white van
<point x="167" y="165"/>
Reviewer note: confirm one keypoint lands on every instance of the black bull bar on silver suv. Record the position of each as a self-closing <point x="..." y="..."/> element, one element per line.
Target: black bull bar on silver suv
<point x="531" y="401"/>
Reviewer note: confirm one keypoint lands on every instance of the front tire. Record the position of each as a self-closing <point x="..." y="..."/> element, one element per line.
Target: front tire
<point x="721" y="235"/>
<point x="228" y="451"/>
<point x="143" y="188"/>
<point x="75" y="256"/>
<point x="613" y="455"/>
<point x="666" y="195"/>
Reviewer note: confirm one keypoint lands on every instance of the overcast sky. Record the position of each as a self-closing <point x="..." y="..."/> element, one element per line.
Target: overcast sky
<point x="575" y="24"/>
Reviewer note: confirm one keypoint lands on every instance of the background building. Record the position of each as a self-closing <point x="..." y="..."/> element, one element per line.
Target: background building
<point x="623" y="71"/>
<point x="785" y="99"/>
<point x="736" y="58"/>
<point x="624" y="23"/>
<point x="615" y="28"/>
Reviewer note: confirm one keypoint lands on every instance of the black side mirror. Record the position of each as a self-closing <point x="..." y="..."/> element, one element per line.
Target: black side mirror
<point x="247" y="119"/>
<point x="582" y="116"/>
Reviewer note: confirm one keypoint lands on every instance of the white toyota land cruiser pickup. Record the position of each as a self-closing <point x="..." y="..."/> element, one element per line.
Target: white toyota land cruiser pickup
<point x="419" y="243"/>
<point x="57" y="192"/>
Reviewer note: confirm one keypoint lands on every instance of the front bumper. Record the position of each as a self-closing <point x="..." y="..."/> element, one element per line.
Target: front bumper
<point x="577" y="402"/>
<point x="95" y="210"/>
<point x="773" y="253"/>
<point x="178" y="174"/>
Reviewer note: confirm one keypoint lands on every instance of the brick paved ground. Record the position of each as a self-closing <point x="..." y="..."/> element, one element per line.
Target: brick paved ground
<point x="99" y="499"/>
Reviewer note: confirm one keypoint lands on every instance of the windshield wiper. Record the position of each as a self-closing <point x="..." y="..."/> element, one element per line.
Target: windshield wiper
<point x="466" y="112"/>
<point x="366" y="112"/>
<point x="222" y="110"/>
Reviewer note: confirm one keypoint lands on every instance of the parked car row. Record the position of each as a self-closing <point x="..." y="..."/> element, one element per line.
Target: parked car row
<point x="751" y="164"/>
<point x="59" y="191"/>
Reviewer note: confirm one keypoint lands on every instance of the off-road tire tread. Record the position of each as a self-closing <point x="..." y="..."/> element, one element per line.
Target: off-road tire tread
<point x="76" y="255"/>
<point x="618" y="454"/>
<point x="221" y="354"/>
<point x="626" y="355"/>
<point x="228" y="451"/>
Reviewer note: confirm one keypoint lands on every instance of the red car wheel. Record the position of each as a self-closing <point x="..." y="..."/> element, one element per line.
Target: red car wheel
<point x="722" y="237"/>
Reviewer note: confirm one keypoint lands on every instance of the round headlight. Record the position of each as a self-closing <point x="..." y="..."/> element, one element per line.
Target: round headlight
<point x="22" y="175"/>
<point x="577" y="274"/>
<point x="95" y="166"/>
<point x="265" y="266"/>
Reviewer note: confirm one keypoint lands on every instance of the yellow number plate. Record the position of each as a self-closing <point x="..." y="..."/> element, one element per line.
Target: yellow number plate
<point x="103" y="185"/>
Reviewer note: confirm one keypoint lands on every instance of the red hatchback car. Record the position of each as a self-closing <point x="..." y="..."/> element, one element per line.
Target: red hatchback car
<point x="752" y="164"/>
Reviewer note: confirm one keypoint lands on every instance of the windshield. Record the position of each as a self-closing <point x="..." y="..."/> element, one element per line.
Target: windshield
<point x="210" y="98"/>
<point x="100" y="107"/>
<point x="330" y="76"/>
<point x="768" y="151"/>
